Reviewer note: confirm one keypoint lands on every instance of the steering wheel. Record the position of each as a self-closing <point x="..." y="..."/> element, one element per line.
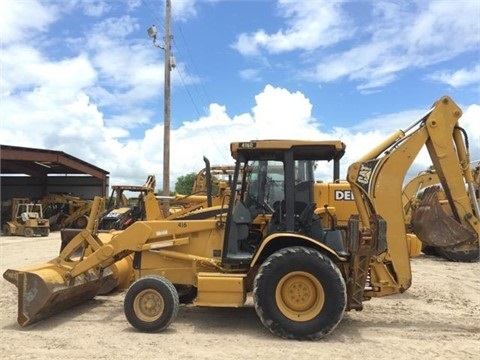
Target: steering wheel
<point x="265" y="206"/>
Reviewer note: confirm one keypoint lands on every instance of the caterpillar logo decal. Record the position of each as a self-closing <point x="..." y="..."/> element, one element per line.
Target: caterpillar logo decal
<point x="343" y="195"/>
<point x="364" y="174"/>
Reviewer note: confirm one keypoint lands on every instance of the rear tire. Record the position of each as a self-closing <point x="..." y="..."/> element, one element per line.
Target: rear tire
<point x="151" y="303"/>
<point x="299" y="293"/>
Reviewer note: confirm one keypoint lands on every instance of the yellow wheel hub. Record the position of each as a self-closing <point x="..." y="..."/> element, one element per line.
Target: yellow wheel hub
<point x="148" y="305"/>
<point x="299" y="296"/>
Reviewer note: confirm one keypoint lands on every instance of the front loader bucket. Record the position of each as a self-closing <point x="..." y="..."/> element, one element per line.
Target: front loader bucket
<point x="43" y="290"/>
<point x="434" y="227"/>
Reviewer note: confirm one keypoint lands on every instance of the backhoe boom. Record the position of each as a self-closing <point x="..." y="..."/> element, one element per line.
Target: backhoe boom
<point x="377" y="179"/>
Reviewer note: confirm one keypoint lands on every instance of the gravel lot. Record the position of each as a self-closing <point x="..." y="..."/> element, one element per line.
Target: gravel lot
<point x="437" y="318"/>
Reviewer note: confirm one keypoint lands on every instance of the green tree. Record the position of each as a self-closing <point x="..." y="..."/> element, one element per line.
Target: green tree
<point x="184" y="184"/>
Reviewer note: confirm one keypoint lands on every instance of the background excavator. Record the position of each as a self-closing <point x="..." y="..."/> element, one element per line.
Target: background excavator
<point x="270" y="244"/>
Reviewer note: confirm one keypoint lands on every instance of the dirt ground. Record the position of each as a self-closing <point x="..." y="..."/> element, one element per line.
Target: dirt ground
<point x="437" y="318"/>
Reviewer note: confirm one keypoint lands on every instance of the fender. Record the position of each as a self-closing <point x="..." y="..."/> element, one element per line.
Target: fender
<point x="300" y="239"/>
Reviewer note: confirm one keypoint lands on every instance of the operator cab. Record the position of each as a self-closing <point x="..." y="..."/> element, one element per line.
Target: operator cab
<point x="275" y="193"/>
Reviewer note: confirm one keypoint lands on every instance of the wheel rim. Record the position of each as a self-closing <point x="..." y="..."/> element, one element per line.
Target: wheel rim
<point x="28" y="232"/>
<point x="148" y="305"/>
<point x="299" y="296"/>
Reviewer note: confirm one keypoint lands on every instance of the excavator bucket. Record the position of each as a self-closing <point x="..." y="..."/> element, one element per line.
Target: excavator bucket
<point x="43" y="290"/>
<point x="434" y="227"/>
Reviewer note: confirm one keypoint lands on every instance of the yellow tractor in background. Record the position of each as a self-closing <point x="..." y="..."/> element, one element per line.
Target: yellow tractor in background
<point x="267" y="243"/>
<point x="66" y="211"/>
<point x="26" y="219"/>
<point x="120" y="212"/>
<point x="209" y="188"/>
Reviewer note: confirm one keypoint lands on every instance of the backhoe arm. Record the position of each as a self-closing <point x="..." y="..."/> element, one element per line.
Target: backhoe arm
<point x="377" y="179"/>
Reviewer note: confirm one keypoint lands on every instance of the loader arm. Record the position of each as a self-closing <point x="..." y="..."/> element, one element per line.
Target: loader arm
<point x="376" y="180"/>
<point x="94" y="263"/>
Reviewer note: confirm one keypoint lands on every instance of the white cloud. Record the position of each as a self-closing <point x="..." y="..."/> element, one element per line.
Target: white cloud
<point x="304" y="30"/>
<point x="95" y="8"/>
<point x="78" y="127"/>
<point x="399" y="36"/>
<point x="280" y="114"/>
<point x="183" y="10"/>
<point x="400" y="40"/>
<point x="250" y="74"/>
<point x="19" y="22"/>
<point x="459" y="78"/>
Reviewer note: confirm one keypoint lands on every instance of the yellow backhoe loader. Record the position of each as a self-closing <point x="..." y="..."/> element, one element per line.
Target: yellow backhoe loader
<point x="120" y="213"/>
<point x="209" y="188"/>
<point x="66" y="211"/>
<point x="267" y="243"/>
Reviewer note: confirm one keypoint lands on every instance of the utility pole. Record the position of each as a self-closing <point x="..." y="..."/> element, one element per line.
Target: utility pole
<point x="166" y="113"/>
<point x="169" y="65"/>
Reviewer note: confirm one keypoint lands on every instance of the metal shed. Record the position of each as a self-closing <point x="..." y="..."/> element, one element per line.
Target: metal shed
<point x="34" y="173"/>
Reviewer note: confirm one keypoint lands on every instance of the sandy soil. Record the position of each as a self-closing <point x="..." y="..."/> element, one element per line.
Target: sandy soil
<point x="437" y="318"/>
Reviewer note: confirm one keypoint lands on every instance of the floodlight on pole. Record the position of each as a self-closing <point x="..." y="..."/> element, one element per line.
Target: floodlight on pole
<point x="152" y="33"/>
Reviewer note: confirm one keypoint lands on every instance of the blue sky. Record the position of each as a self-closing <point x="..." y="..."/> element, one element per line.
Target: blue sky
<point x="83" y="77"/>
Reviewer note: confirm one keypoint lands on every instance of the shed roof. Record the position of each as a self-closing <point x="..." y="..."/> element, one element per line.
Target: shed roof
<point x="41" y="162"/>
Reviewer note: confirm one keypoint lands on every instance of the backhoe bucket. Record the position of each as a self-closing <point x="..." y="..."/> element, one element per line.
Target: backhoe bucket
<point x="434" y="227"/>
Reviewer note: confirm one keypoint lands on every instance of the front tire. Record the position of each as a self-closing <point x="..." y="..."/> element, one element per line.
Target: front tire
<point x="299" y="293"/>
<point x="7" y="231"/>
<point x="151" y="303"/>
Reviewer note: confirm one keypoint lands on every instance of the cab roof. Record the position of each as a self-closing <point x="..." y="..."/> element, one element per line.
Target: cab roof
<point x="302" y="149"/>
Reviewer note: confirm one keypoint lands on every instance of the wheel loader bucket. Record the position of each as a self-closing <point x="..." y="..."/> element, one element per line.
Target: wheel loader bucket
<point x="43" y="291"/>
<point x="434" y="227"/>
